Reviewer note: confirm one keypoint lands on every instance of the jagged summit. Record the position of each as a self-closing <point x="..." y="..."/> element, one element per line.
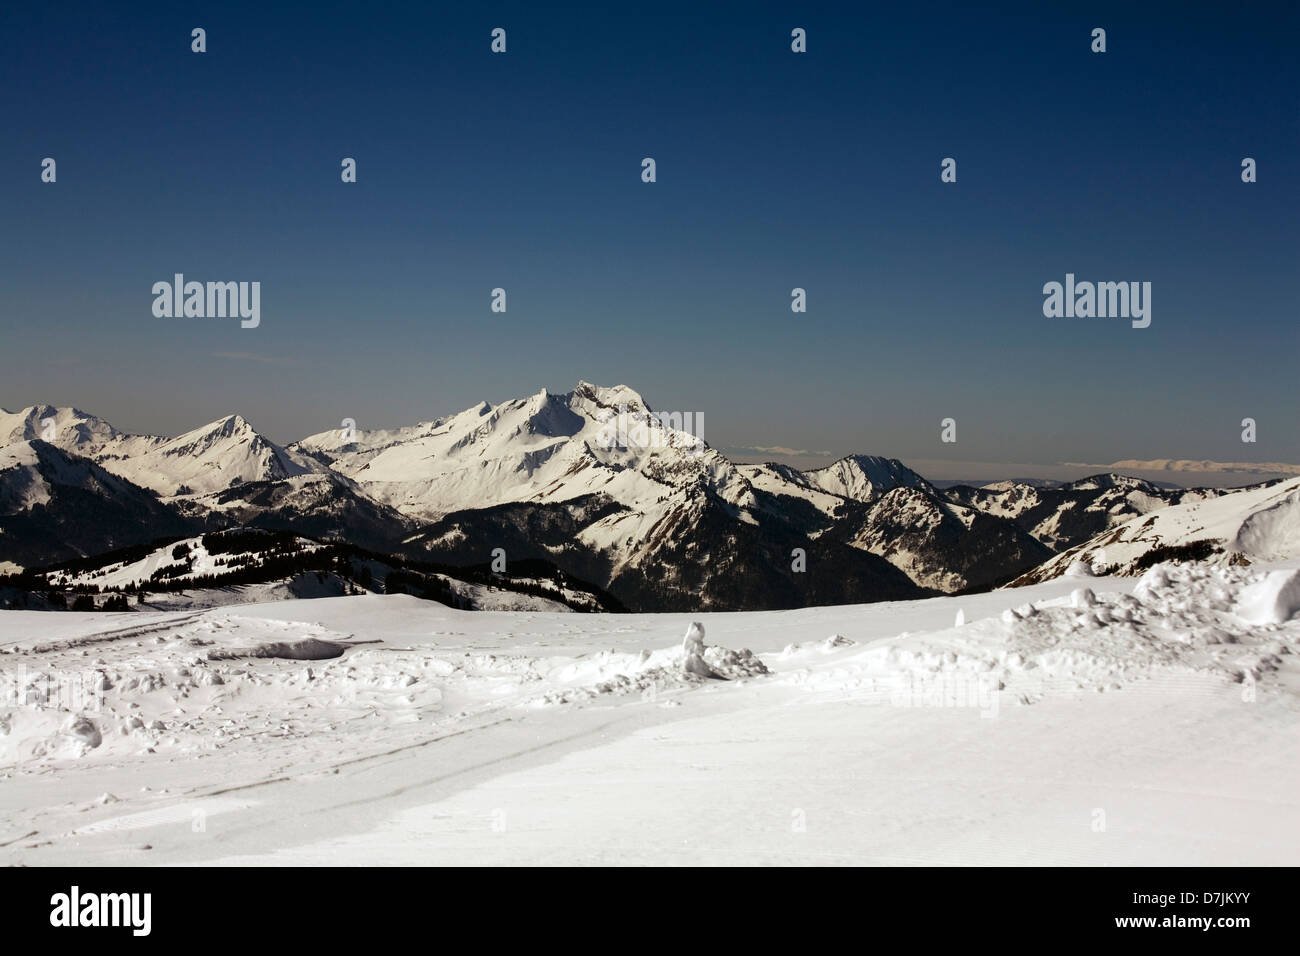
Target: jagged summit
<point x="864" y="477"/>
<point x="206" y="459"/>
<point x="547" y="447"/>
<point x="610" y="396"/>
<point x="71" y="427"/>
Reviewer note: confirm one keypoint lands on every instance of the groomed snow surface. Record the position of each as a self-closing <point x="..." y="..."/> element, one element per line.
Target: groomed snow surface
<point x="1084" y="720"/>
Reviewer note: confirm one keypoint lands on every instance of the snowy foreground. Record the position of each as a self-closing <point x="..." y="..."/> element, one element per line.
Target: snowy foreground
<point x="1079" y="721"/>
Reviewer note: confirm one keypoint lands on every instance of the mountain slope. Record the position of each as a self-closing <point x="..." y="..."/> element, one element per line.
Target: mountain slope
<point x="691" y="551"/>
<point x="543" y="448"/>
<point x="253" y="566"/>
<point x="1241" y="527"/>
<point x="323" y="505"/>
<point x="864" y="477"/>
<point x="941" y="545"/>
<point x="220" y="475"/>
<point x="208" y="459"/>
<point x="54" y="505"/>
<point x="598" y="482"/>
<point x="1070" y="514"/>
<point x="68" y="428"/>
<point x="213" y="457"/>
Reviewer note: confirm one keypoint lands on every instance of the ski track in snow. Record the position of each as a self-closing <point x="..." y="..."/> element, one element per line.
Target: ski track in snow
<point x="1083" y="720"/>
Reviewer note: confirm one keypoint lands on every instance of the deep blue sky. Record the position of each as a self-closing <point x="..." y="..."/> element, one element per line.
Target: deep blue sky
<point x="775" y="170"/>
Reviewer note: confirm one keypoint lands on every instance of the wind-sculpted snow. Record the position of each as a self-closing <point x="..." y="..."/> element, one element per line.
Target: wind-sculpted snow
<point x="220" y="680"/>
<point x="1273" y="599"/>
<point x="117" y="724"/>
<point x="649" y="674"/>
<point x="1186" y="621"/>
<point x="1184" y="617"/>
<point x="209" y="679"/>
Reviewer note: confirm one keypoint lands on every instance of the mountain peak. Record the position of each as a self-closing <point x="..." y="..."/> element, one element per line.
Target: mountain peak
<point x="864" y="477"/>
<point x="609" y="396"/>
<point x="224" y="427"/>
<point x="1111" y="480"/>
<point x="71" y="427"/>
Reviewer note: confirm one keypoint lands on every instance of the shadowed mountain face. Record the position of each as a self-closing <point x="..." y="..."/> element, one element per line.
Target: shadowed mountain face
<point x="697" y="556"/>
<point x="55" y="506"/>
<point x="1070" y="514"/>
<point x="215" y="567"/>
<point x="593" y="481"/>
<point x="940" y="544"/>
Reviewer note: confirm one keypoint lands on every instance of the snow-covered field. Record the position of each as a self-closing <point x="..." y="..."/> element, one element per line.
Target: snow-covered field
<point x="1079" y="721"/>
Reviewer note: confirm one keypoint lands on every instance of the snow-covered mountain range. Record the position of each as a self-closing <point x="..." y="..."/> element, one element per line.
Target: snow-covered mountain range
<point x="1259" y="524"/>
<point x="592" y="481"/>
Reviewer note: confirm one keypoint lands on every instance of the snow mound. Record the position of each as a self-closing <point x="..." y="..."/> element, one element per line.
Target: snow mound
<point x="1193" y="617"/>
<point x="649" y="674"/>
<point x="1080" y="569"/>
<point x="734" y="665"/>
<point x="77" y="736"/>
<point x="1194" y="622"/>
<point x="1272" y="533"/>
<point x="82" y="733"/>
<point x="1273" y="600"/>
<point x="826" y="646"/>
